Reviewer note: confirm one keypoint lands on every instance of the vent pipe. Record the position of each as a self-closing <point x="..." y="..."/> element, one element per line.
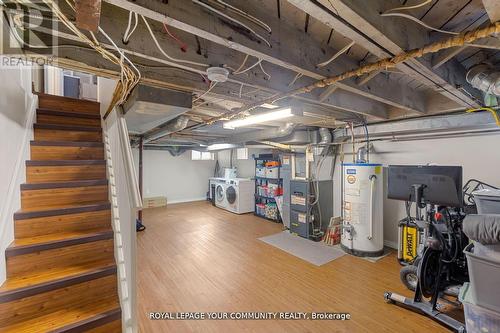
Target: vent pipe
<point x="175" y="125"/>
<point x="485" y="78"/>
<point x="326" y="138"/>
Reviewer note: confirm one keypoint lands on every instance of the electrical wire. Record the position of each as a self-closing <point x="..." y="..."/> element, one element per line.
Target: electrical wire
<point x="242" y="64"/>
<point x="13" y="25"/>
<point x="128" y="32"/>
<point x="218" y="12"/>
<point x="425" y="2"/>
<point x="212" y="85"/>
<point x="414" y="19"/>
<point x="182" y="45"/>
<point x="297" y="76"/>
<point x="129" y="77"/>
<point x="263" y="71"/>
<point x="165" y="53"/>
<point x="246" y="15"/>
<point x="248" y="68"/>
<point x="336" y="55"/>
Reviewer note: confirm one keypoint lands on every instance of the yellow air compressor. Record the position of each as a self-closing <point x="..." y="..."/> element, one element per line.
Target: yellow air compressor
<point x="411" y="235"/>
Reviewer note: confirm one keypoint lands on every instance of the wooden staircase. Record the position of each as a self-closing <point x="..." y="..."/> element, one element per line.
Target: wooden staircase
<point x="61" y="270"/>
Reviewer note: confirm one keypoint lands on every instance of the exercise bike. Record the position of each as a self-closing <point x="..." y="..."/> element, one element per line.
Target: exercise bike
<point x="440" y="268"/>
<point x="412" y="232"/>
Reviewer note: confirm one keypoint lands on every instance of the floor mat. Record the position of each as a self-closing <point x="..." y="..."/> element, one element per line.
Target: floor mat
<point x="316" y="253"/>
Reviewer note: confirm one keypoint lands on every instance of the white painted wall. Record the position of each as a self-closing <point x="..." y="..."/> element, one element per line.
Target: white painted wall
<point x="17" y="111"/>
<point x="478" y="155"/>
<point x="176" y="177"/>
<point x="246" y="168"/>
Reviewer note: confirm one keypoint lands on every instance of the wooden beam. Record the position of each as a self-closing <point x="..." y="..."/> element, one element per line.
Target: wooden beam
<point x="440" y="58"/>
<point x="444" y="56"/>
<point x="140" y="42"/>
<point x="382" y="36"/>
<point x="487" y="43"/>
<point x="493" y="9"/>
<point x="327" y="92"/>
<point x="287" y="51"/>
<point x="88" y="13"/>
<point x="364" y="79"/>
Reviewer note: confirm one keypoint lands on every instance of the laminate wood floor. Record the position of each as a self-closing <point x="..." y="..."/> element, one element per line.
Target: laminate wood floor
<point x="195" y="257"/>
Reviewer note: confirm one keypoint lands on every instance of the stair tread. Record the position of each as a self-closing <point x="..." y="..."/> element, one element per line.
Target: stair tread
<point x="63" y="184"/>
<point x="63" y="162"/>
<point x="96" y="205"/>
<point x="68" y="114"/>
<point x="62" y="318"/>
<point x="23" y="281"/>
<point x="60" y="236"/>
<point x="67" y="127"/>
<point x="22" y="246"/>
<point x="67" y="143"/>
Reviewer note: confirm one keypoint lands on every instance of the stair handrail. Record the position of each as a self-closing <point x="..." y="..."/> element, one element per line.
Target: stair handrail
<point x="132" y="181"/>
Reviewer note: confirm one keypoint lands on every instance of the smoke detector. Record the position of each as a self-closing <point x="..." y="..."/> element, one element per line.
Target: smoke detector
<point x="217" y="74"/>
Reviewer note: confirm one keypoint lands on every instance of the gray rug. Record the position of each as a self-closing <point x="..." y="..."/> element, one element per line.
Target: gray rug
<point x="316" y="253"/>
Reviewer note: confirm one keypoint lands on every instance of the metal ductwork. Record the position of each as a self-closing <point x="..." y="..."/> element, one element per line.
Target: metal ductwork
<point x="326" y="138"/>
<point x="174" y="151"/>
<point x="150" y="107"/>
<point x="175" y="125"/>
<point x="485" y="78"/>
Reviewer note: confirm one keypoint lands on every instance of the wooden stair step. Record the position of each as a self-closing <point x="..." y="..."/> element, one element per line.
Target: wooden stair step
<point x="59" y="308"/>
<point x="49" y="132"/>
<point x="61" y="210"/>
<point x="106" y="322"/>
<point x="66" y="150"/>
<point x="47" y="116"/>
<point x="68" y="104"/>
<point x="53" y="241"/>
<point x="47" y="195"/>
<point x="85" y="319"/>
<point x="37" y="258"/>
<point x="64" y="170"/>
<point x="84" y="218"/>
<point x="29" y="285"/>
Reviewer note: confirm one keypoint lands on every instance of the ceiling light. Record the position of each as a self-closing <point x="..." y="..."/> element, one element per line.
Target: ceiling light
<point x="259" y="118"/>
<point x="221" y="146"/>
<point x="270" y="106"/>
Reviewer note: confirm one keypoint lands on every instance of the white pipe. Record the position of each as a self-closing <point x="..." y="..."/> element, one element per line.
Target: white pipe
<point x="373" y="178"/>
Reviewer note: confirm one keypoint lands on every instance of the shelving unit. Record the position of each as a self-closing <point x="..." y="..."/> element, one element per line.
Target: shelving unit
<point x="260" y="181"/>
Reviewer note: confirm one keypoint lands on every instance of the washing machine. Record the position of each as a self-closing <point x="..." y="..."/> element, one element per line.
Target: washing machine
<point x="240" y="195"/>
<point x="220" y="195"/>
<point x="214" y="181"/>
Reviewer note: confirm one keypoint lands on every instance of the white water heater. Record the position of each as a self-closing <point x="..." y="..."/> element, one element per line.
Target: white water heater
<point x="362" y="208"/>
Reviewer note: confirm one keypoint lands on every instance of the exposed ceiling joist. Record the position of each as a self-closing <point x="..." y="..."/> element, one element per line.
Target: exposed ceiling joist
<point x="493" y="9"/>
<point x="287" y="49"/>
<point x="341" y="102"/>
<point x="385" y="36"/>
<point x="444" y="56"/>
<point x="327" y="92"/>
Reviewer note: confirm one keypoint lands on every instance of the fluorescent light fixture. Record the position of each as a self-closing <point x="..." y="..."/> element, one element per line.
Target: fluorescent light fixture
<point x="259" y="118"/>
<point x="222" y="146"/>
<point x="270" y="106"/>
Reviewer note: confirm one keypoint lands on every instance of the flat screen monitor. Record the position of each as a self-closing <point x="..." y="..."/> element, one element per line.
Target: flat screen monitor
<point x="442" y="185"/>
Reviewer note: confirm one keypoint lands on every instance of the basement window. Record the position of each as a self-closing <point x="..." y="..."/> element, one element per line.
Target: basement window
<point x="242" y="153"/>
<point x="201" y="155"/>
